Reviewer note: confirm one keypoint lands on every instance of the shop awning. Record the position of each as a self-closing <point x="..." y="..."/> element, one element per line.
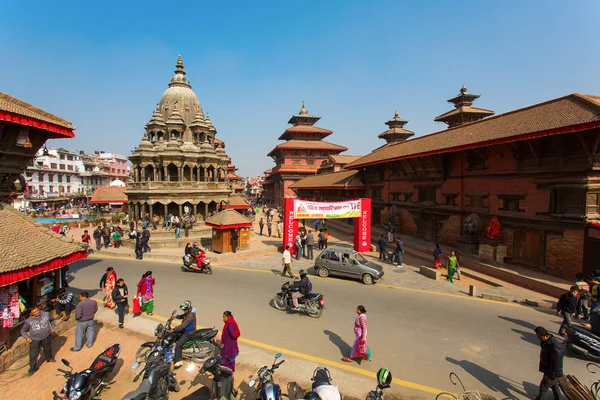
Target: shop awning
<point x="9" y="278"/>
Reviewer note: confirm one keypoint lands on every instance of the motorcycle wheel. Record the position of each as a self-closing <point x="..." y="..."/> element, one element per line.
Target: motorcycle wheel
<point x="314" y="311"/>
<point x="142" y="354"/>
<point x="201" y="351"/>
<point x="580" y="352"/>
<point x="279" y="303"/>
<point x="208" y="270"/>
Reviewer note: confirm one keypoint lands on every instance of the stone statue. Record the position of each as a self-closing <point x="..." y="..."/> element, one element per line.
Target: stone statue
<point x="186" y="209"/>
<point x="493" y="231"/>
<point x="471" y="226"/>
<point x="392" y="214"/>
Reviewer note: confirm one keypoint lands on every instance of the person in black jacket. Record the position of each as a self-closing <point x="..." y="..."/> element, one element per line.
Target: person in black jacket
<point x="301" y="286"/>
<point x="567" y="306"/>
<point x="551" y="363"/>
<point x="119" y="295"/>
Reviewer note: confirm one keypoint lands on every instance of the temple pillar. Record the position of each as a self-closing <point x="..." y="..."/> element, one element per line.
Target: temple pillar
<point x="205" y="211"/>
<point x="165" y="175"/>
<point x="195" y="210"/>
<point x="150" y="211"/>
<point x="137" y="211"/>
<point x="180" y="174"/>
<point x="198" y="173"/>
<point x="180" y="211"/>
<point x="166" y="211"/>
<point x="143" y="171"/>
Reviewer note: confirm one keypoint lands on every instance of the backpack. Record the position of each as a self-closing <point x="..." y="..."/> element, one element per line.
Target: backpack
<point x="308" y="287"/>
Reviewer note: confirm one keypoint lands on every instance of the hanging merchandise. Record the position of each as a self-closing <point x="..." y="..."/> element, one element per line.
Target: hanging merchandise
<point x="10" y="305"/>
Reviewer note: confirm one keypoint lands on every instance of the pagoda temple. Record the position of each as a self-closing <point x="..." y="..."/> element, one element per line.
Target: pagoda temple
<point x="463" y="111"/>
<point x="179" y="166"/>
<point x="301" y="155"/>
<point x="396" y="132"/>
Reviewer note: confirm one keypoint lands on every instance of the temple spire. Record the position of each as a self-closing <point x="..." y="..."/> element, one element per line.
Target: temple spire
<point x="179" y="78"/>
<point x="396" y="132"/>
<point x="303" y="109"/>
<point x="464" y="111"/>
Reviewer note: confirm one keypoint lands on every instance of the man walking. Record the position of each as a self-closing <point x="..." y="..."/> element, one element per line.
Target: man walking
<point x="567" y="306"/>
<point x="97" y="235"/>
<point x="298" y="243"/>
<point x="310" y="243"/>
<point x="84" y="314"/>
<point x="139" y="247"/>
<point x="399" y="252"/>
<point x="37" y="331"/>
<point x="106" y="236"/>
<point x="261" y="225"/>
<point x="279" y="228"/>
<point x="551" y="363"/>
<point x="451" y="264"/>
<point x="286" y="261"/>
<point x="382" y="244"/>
<point x="234" y="239"/>
<point x="269" y="226"/>
<point x="63" y="304"/>
<point x="145" y="240"/>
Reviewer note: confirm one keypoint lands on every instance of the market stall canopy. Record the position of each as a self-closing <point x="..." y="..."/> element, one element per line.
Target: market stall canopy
<point x="29" y="249"/>
<point x="228" y="219"/>
<point x="109" y="194"/>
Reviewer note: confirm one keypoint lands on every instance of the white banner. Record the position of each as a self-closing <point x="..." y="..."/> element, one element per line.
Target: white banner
<point x="314" y="210"/>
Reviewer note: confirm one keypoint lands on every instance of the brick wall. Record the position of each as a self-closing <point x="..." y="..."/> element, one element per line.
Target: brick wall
<point x="450" y="230"/>
<point x="564" y="255"/>
<point x="407" y="224"/>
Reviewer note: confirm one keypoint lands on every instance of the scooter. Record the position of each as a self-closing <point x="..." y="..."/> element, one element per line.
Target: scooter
<point x="158" y="379"/>
<point x="89" y="383"/>
<point x="192" y="265"/>
<point x="322" y="385"/>
<point x="583" y="343"/>
<point x="202" y="344"/>
<point x="222" y="385"/>
<point x="311" y="304"/>
<point x="265" y="385"/>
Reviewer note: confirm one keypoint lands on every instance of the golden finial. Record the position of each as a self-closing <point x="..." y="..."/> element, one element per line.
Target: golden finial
<point x="303" y="110"/>
<point x="179" y="61"/>
<point x="463" y="89"/>
<point x="396" y="114"/>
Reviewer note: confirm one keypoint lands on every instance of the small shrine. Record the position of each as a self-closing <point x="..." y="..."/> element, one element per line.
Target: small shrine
<point x="492" y="247"/>
<point x="223" y="224"/>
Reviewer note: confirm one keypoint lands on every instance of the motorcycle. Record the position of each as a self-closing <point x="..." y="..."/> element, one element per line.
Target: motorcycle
<point x="265" y="385"/>
<point x="583" y="343"/>
<point x="158" y="379"/>
<point x="222" y="385"/>
<point x="312" y="304"/>
<point x="191" y="265"/>
<point x="322" y="385"/>
<point x="383" y="382"/>
<point x="202" y="344"/>
<point x="89" y="383"/>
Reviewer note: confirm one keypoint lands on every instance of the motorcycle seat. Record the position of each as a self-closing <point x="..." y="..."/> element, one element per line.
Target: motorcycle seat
<point x="204" y="334"/>
<point x="312" y="296"/>
<point x="141" y="393"/>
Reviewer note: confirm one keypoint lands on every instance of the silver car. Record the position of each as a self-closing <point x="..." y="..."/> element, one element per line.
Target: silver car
<point x="348" y="263"/>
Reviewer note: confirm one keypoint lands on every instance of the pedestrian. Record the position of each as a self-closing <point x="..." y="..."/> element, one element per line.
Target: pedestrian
<point x="279" y="227"/>
<point x="399" y="252"/>
<point x="310" y="243"/>
<point x="186" y="226"/>
<point x="286" y="261"/>
<point x="107" y="283"/>
<point x="269" y="225"/>
<point x="321" y="239"/>
<point x="145" y="291"/>
<point x="382" y="244"/>
<point x="360" y="349"/>
<point x="551" y="363"/>
<point x="326" y="236"/>
<point x="437" y="257"/>
<point x="37" y="330"/>
<point x="234" y="239"/>
<point x="119" y="295"/>
<point x="298" y="244"/>
<point x="567" y="306"/>
<point x="261" y="225"/>
<point x="451" y="264"/>
<point x="106" y="236"/>
<point x="316" y="223"/>
<point x="84" y="315"/>
<point x="457" y="272"/>
<point x="229" y="337"/>
<point x="62" y="304"/>
<point x="303" y="241"/>
<point x="85" y="238"/>
<point x="593" y="281"/>
<point x="177" y="225"/>
<point x="146" y="220"/>
<point x="583" y="303"/>
<point x="97" y="235"/>
<point x="116" y="237"/>
<point x="391" y="230"/>
<point x="145" y="239"/>
<point x="139" y="245"/>
<point x="132" y="225"/>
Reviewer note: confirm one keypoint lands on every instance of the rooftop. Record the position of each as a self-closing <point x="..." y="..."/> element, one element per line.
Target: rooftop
<point x="109" y="194"/>
<point x="341" y="179"/>
<point x="228" y="218"/>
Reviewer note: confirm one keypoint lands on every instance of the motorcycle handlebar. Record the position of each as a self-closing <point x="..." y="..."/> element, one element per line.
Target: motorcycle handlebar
<point x="279" y="363"/>
<point x="63" y="371"/>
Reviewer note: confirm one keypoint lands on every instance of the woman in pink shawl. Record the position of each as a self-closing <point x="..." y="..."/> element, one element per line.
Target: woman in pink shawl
<point x="107" y="283"/>
<point x="360" y="350"/>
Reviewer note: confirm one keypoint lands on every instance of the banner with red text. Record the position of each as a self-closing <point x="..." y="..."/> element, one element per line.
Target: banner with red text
<point x="304" y="209"/>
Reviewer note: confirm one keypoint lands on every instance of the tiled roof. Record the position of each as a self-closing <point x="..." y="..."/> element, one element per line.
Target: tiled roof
<point x="13" y="105"/>
<point x="464" y="110"/>
<point x="343" y="159"/>
<point x="238" y="201"/>
<point x="289" y="132"/>
<point x="228" y="217"/>
<point x="551" y="117"/>
<point x="25" y="243"/>
<point x="308" y="144"/>
<point x="341" y="179"/>
<point x="109" y="194"/>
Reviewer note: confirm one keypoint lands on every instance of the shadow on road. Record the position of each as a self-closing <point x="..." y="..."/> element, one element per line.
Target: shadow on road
<point x="339" y="342"/>
<point x="528" y="336"/>
<point x="524" y="324"/>
<point x="490" y="379"/>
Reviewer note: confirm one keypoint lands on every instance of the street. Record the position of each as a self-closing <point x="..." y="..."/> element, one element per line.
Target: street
<point x="421" y="336"/>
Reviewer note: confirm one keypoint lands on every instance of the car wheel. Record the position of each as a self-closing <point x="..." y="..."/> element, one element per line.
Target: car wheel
<point x="323" y="272"/>
<point x="367" y="279"/>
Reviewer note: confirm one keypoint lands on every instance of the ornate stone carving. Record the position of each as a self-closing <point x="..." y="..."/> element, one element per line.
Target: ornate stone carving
<point x="472" y="226"/>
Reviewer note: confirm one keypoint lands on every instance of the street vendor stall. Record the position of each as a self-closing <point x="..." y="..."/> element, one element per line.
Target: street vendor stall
<point x="223" y="224"/>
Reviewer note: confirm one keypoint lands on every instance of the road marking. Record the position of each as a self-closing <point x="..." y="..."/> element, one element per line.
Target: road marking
<point x="316" y="360"/>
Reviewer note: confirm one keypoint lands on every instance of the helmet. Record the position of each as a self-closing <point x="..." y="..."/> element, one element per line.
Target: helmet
<point x="384" y="378"/>
<point x="303" y="273"/>
<point x="195" y="244"/>
<point x="312" y="396"/>
<point x="186" y="305"/>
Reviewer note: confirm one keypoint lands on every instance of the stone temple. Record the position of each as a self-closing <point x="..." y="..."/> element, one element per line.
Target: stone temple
<point x="179" y="166"/>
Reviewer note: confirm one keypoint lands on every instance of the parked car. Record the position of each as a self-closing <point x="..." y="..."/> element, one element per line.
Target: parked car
<point x="343" y="261"/>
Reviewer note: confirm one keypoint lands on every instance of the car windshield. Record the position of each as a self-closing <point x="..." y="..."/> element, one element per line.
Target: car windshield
<point x="360" y="258"/>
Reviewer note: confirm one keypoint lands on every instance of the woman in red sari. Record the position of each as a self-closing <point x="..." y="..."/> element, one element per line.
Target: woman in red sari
<point x="229" y="337"/>
<point x="360" y="349"/>
<point x="107" y="283"/>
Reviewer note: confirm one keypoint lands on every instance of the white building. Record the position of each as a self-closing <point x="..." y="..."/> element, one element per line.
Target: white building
<point x="54" y="173"/>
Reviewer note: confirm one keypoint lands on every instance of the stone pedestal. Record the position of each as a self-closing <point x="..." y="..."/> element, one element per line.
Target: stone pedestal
<point x="468" y="246"/>
<point x="492" y="251"/>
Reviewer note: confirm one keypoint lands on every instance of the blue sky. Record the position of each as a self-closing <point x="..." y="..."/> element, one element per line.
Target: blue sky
<point x="104" y="65"/>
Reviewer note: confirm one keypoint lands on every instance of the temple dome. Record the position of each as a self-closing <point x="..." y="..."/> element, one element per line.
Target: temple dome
<point x="180" y="92"/>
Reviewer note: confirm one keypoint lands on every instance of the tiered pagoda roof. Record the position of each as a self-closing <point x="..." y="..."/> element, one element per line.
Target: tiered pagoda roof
<point x="396" y="132"/>
<point x="463" y="112"/>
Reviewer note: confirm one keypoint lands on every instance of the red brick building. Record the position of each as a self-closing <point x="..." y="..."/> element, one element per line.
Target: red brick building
<point x="535" y="169"/>
<point x="301" y="155"/>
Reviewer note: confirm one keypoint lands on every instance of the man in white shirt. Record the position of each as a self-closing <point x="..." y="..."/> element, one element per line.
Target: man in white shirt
<point x="286" y="261"/>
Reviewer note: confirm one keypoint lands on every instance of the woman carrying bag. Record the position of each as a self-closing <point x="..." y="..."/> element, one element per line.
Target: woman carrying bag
<point x="145" y="293"/>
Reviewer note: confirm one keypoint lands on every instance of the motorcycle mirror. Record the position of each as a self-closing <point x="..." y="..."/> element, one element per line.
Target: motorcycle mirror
<point x="65" y="362"/>
<point x="252" y="383"/>
<point x="277" y="355"/>
<point x="174" y="313"/>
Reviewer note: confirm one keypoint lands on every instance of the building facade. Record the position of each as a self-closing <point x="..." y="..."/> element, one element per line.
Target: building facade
<point x="179" y="164"/>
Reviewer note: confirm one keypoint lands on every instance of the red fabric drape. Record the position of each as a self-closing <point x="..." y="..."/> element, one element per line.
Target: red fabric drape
<point x="594" y="224"/>
<point x="22" y="120"/>
<point x="9" y="278"/>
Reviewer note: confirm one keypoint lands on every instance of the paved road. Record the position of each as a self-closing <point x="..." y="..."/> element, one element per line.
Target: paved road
<point x="420" y="336"/>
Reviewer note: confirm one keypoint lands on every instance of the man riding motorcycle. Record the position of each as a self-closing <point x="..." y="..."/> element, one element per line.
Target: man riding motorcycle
<point x="302" y="286"/>
<point x="187" y="326"/>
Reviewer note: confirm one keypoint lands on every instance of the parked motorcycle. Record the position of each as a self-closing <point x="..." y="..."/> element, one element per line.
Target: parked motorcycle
<point x="89" y="383"/>
<point x="264" y="384"/>
<point x="191" y="265"/>
<point x="158" y="379"/>
<point x="384" y="380"/>
<point x="583" y="343"/>
<point x="311" y="304"/>
<point x="202" y="344"/>
<point x="222" y="385"/>
<point x="322" y="385"/>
